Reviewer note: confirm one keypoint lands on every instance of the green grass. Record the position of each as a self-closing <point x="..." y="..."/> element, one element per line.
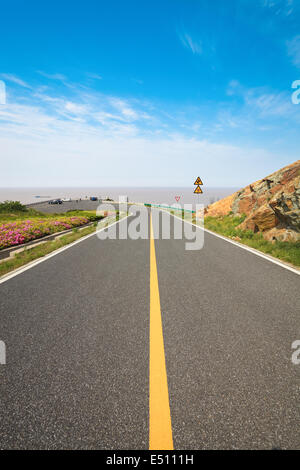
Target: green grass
<point x="91" y="215"/>
<point x="227" y="226"/>
<point x="14" y="210"/>
<point x="23" y="215"/>
<point x="18" y="215"/>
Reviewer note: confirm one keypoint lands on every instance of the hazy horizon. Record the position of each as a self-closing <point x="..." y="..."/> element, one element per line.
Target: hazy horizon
<point x="136" y="194"/>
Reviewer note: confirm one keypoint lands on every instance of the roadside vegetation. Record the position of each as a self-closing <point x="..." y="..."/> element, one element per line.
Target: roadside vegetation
<point x="30" y="254"/>
<point x="227" y="226"/>
<point x="41" y="250"/>
<point x="19" y="225"/>
<point x="14" y="210"/>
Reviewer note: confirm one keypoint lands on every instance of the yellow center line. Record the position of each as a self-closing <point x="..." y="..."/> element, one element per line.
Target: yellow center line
<point x="160" y="427"/>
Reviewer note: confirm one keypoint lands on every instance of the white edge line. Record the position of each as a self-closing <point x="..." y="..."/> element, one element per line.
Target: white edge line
<point x="244" y="247"/>
<point x="30" y="265"/>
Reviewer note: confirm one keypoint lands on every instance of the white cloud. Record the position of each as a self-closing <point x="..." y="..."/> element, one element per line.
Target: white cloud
<point x="88" y="138"/>
<point x="263" y="102"/>
<point x="126" y="111"/>
<point x="54" y="150"/>
<point x="94" y="76"/>
<point x="74" y="154"/>
<point x="279" y="7"/>
<point x="293" y="48"/>
<point x="75" y="108"/>
<point x="192" y="44"/>
<point x="14" y="79"/>
<point x="271" y="104"/>
<point x="234" y="87"/>
<point x="54" y="76"/>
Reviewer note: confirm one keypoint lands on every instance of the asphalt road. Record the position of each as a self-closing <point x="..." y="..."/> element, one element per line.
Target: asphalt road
<point x="74" y="205"/>
<point x="76" y="328"/>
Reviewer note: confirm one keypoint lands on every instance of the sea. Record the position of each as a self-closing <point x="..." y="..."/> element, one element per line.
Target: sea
<point x="155" y="195"/>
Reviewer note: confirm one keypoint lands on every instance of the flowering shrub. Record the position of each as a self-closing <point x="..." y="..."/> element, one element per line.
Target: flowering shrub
<point x="16" y="233"/>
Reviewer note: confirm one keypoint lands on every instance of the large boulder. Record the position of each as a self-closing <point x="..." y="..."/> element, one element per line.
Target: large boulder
<point x="271" y="205"/>
<point x="262" y="219"/>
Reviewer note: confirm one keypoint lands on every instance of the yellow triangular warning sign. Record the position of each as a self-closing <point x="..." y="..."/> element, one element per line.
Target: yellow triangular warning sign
<point x="198" y="181"/>
<point x="198" y="190"/>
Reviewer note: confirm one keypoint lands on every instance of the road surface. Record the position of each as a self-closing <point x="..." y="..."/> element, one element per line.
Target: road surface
<point x="73" y="205"/>
<point x="78" y="339"/>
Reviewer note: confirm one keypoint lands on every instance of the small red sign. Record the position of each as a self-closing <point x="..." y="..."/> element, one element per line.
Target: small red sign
<point x="177" y="198"/>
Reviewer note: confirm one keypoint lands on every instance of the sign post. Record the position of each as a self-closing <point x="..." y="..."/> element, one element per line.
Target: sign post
<point x="198" y="190"/>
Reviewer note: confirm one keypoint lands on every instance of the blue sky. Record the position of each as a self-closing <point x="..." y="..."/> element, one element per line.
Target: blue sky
<point x="147" y="92"/>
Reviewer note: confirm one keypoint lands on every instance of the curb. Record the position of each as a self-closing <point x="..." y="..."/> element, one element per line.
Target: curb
<point x="8" y="252"/>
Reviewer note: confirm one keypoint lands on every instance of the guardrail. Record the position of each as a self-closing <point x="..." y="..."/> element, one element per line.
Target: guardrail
<point x="182" y="209"/>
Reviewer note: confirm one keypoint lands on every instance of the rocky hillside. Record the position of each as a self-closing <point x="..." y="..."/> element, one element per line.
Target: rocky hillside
<point x="272" y="205"/>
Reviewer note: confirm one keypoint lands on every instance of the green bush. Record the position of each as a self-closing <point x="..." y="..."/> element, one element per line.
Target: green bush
<point x="12" y="206"/>
<point x="91" y="215"/>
